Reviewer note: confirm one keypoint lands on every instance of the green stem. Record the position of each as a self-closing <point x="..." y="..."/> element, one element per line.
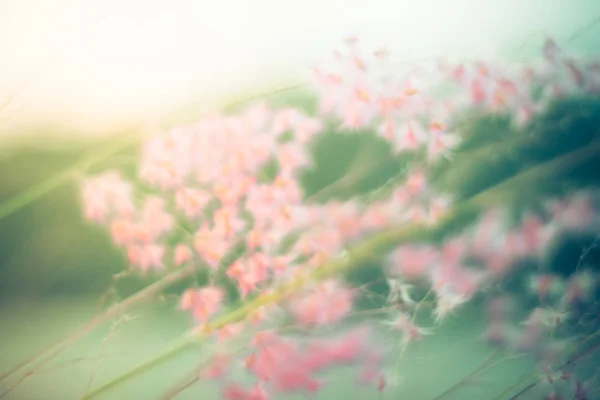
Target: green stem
<point x="165" y="356"/>
<point x="575" y="353"/>
<point x="377" y="244"/>
<point x="45" y="356"/>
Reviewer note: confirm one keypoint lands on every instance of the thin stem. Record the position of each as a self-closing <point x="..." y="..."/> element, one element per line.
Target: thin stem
<point x="185" y="383"/>
<point x="50" y="353"/>
<point x="478" y="369"/>
<point x="572" y="359"/>
<point x="168" y="354"/>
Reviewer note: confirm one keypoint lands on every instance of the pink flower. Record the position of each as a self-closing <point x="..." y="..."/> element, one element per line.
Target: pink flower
<point x="480" y="91"/>
<point x="496" y="333"/>
<point x="285" y="120"/>
<point x="167" y="159"/>
<point x="413" y="261"/>
<point x="248" y="273"/>
<point x="182" y="254"/>
<point x="441" y="143"/>
<point x="123" y="231"/>
<point x="534" y="235"/>
<point x="376" y="216"/>
<point x="227" y="222"/>
<point x="447" y="301"/>
<point x="235" y="392"/>
<point x="105" y="195"/>
<point x="544" y="285"/>
<point x="349" y="347"/>
<point x="210" y="245"/>
<point x="217" y="367"/>
<point x="154" y="220"/>
<point x="307" y="129"/>
<point x="551" y="51"/>
<point x="292" y="378"/>
<point x="203" y="303"/>
<point x="327" y="303"/>
<point x="576" y="212"/>
<point x="191" y="201"/>
<point x="229" y="331"/>
<point x="292" y="156"/>
<point x="410" y="136"/>
<point x="146" y="255"/>
<point x="416" y="183"/>
<point x="438" y="207"/>
<point x="410" y="331"/>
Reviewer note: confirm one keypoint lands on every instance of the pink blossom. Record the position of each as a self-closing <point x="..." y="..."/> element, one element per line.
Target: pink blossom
<point x="410" y="136"/>
<point x="290" y="378"/>
<point x="545" y="285"/>
<point x="327" y="303"/>
<point x="534" y="235"/>
<point x="123" y="231"/>
<point x="413" y="261"/>
<point x="203" y="303"/>
<point x="191" y="201"/>
<point x="416" y="182"/>
<point x="248" y="273"/>
<point x="217" y="368"/>
<point x="496" y="333"/>
<point x="236" y="392"/>
<point x="438" y="206"/>
<point x="229" y="331"/>
<point x="105" y="195"/>
<point x="447" y="301"/>
<point x="146" y="255"/>
<point x="154" y="220"/>
<point x="210" y="245"/>
<point x="286" y="120"/>
<point x="182" y="254"/>
<point x="580" y="287"/>
<point x="375" y="216"/>
<point x="409" y="330"/>
<point x="167" y="159"/>
<point x="551" y="51"/>
<point x="575" y="212"/>
<point x="441" y="143"/>
<point x="227" y="222"/>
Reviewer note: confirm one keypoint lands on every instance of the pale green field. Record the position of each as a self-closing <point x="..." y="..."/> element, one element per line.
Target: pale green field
<point x="427" y="369"/>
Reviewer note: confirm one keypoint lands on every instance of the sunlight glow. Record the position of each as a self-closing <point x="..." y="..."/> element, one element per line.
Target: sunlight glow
<point x="97" y="65"/>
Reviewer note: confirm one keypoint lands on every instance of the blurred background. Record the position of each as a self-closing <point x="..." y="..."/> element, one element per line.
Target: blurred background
<point x="76" y="75"/>
<point x="97" y="66"/>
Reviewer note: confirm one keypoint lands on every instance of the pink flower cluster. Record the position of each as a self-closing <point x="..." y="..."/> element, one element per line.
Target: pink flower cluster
<point x="210" y="175"/>
<point x="284" y="365"/>
<point x="408" y="108"/>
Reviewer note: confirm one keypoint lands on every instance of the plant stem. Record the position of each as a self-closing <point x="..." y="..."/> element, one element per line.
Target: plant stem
<point x="168" y="354"/>
<point x="572" y="359"/>
<point x="47" y="355"/>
